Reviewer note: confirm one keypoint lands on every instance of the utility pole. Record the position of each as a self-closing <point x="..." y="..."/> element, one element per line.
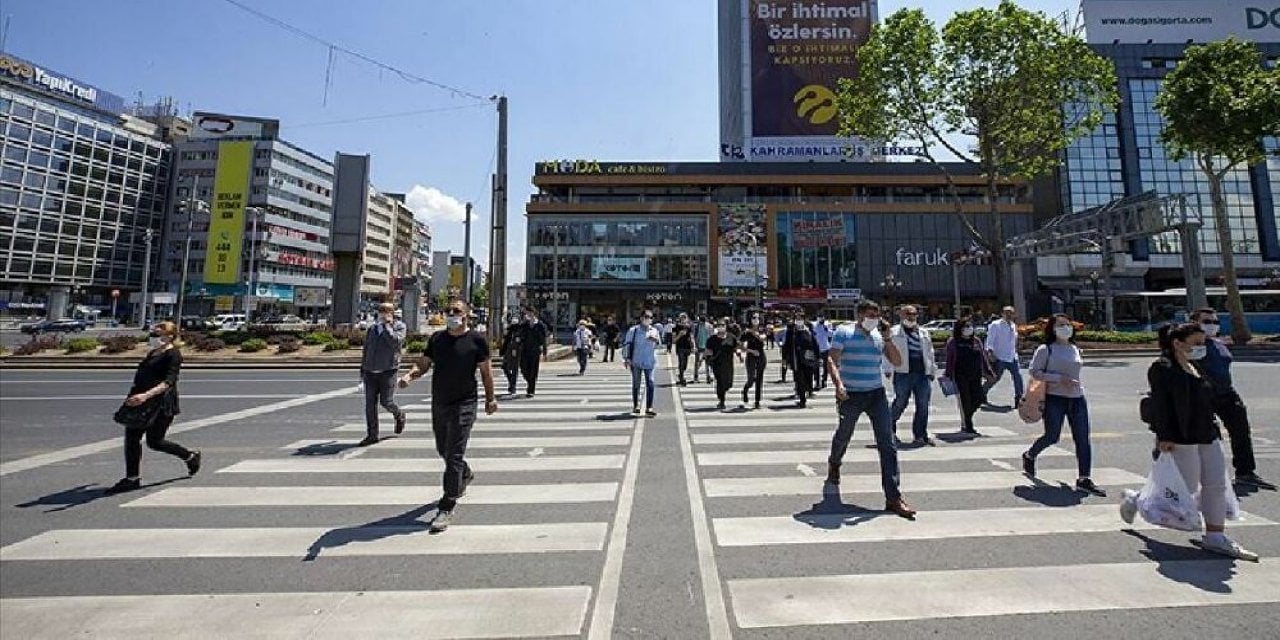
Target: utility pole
<point x="186" y="253"/>
<point x="468" y="272"/>
<point x="249" y="279"/>
<point x="498" y="235"/>
<point x="146" y="275"/>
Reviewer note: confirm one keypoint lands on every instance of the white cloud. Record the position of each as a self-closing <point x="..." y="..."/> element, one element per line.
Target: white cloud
<point x="434" y="205"/>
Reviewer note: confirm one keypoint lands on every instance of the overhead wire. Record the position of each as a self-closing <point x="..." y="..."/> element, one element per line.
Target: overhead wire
<point x="386" y="116"/>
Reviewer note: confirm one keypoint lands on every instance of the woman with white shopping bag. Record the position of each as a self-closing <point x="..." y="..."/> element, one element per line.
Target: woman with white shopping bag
<point x="1180" y="410"/>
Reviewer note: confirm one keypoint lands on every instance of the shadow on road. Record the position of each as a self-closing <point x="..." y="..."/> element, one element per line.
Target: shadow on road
<point x="1206" y="575"/>
<point x="83" y="494"/>
<point x="1060" y="495"/>
<point x="833" y="513"/>
<point x="398" y="525"/>
<point x="332" y="448"/>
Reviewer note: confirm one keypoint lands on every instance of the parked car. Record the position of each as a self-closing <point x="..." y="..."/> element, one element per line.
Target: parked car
<point x="286" y="322"/>
<point x="64" y="325"/>
<point x="230" y="321"/>
<point x="939" y="325"/>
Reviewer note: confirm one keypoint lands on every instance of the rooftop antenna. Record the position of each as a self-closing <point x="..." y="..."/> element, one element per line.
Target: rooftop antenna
<point x="4" y="31"/>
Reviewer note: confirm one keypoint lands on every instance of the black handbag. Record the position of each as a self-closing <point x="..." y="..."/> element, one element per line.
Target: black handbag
<point x="139" y="417"/>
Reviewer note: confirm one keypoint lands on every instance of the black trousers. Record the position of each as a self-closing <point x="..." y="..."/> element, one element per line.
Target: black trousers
<point x="609" y="350"/>
<point x="755" y="378"/>
<point x="154" y="434"/>
<point x="682" y="357"/>
<point x="529" y="364"/>
<point x="804" y="381"/>
<point x="379" y="389"/>
<point x="511" y="368"/>
<point x="724" y="381"/>
<point x="1235" y="417"/>
<point x="969" y="388"/>
<point x="820" y="372"/>
<point x="452" y="426"/>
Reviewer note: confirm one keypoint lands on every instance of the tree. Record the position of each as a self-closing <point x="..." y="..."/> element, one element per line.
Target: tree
<point x="1218" y="105"/>
<point x="480" y="296"/>
<point x="1013" y="80"/>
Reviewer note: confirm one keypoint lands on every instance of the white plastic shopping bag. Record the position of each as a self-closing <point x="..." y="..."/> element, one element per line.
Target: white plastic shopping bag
<point x="1229" y="498"/>
<point x="1165" y="500"/>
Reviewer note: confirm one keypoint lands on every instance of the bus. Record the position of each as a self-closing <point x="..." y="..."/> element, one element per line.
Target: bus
<point x="1261" y="307"/>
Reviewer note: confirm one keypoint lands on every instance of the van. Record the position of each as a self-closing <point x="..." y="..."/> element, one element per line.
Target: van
<point x="230" y="321"/>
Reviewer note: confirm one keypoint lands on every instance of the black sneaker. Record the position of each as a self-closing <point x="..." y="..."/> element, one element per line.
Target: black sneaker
<point x="466" y="482"/>
<point x="367" y="441"/>
<point x="400" y="421"/>
<point x="636" y="411"/>
<point x="441" y="521"/>
<point x="1253" y="480"/>
<point x="924" y="442"/>
<point x="193" y="463"/>
<point x="1029" y="465"/>
<point x="125" y="484"/>
<point x="720" y="406"/>
<point x="757" y="405"/>
<point x="1086" y="485"/>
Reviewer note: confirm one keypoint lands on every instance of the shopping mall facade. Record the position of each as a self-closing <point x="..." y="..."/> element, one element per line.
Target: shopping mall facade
<point x="613" y="238"/>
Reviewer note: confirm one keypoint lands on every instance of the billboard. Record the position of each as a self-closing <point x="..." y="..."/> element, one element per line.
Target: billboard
<point x="795" y="53"/>
<point x="217" y="125"/>
<point x="817" y="252"/>
<point x="618" y="268"/>
<point x="226" y="225"/>
<point x="1180" y="21"/>
<point x="12" y="66"/>
<point x="741" y="245"/>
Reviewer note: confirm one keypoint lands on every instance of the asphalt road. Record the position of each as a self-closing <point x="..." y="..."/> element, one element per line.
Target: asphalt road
<point x="585" y="522"/>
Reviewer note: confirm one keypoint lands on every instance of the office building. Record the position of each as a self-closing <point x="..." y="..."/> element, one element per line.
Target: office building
<point x="380" y="223"/>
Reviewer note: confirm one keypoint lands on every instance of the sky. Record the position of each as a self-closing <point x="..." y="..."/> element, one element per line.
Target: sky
<point x="612" y="80"/>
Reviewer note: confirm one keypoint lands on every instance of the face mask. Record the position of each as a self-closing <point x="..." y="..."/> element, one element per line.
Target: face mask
<point x="1197" y="352"/>
<point x="453" y="322"/>
<point x="646" y="321"/>
<point x="1211" y="330"/>
<point x="871" y="324"/>
<point x="910" y="324"/>
<point x="1064" y="331"/>
<point x="155" y="342"/>
<point x="531" y="320"/>
<point x="967" y="332"/>
<point x="720" y="331"/>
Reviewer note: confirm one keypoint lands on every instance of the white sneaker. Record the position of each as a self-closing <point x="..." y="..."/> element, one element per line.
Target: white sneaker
<point x="1128" y="506"/>
<point x="1220" y="543"/>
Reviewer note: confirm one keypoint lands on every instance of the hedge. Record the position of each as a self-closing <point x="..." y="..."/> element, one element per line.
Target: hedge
<point x="80" y="345"/>
<point x="317" y="338"/>
<point x="253" y="345"/>
<point x="415" y="346"/>
<point x="118" y="344"/>
<point x="337" y="345"/>
<point x="289" y="346"/>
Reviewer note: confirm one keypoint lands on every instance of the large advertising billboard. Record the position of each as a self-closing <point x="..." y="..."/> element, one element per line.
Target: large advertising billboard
<point x="817" y="251"/>
<point x="226" y="226"/>
<point x="742" y="244"/>
<point x="619" y="268"/>
<point x="12" y="66"/>
<point x="1180" y="21"/>
<point x="796" y="53"/>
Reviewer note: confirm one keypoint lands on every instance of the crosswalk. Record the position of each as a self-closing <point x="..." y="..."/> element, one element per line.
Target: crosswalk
<point x="554" y="450"/>
<point x="785" y="551"/>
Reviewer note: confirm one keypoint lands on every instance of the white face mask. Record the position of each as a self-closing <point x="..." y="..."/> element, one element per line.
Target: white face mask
<point x="1064" y="331"/>
<point x="967" y="332"/>
<point x="531" y="319"/>
<point x="453" y="322"/>
<point x="1197" y="352"/>
<point x="155" y="342"/>
<point x="1211" y="330"/>
<point x="720" y="331"/>
<point x="870" y="324"/>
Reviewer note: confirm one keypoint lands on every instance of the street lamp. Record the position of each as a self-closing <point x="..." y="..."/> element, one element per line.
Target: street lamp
<point x="147" y="236"/>
<point x="890" y="285"/>
<point x="189" y="208"/>
<point x="1094" y="276"/>
<point x="960" y="258"/>
<point x="251" y="278"/>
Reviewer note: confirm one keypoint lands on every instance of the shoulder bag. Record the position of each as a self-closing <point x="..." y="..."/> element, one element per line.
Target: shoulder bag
<point x="1032" y="408"/>
<point x="139" y="417"/>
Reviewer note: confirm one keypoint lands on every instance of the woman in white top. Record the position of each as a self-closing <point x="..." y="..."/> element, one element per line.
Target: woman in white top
<point x="1058" y="364"/>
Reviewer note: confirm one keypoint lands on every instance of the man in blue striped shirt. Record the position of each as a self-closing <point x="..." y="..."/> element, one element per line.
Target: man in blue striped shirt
<point x="854" y="364"/>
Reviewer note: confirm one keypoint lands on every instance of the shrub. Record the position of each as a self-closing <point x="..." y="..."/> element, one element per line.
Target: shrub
<point x="276" y="339"/>
<point x="210" y="344"/>
<point x="234" y="338"/>
<point x="118" y="344"/>
<point x="940" y="336"/>
<point x="253" y="345"/>
<point x="289" y="346"/>
<point x="37" y="344"/>
<point x="337" y="345"/>
<point x="317" y="338"/>
<point x="1116" y="337"/>
<point x="355" y="339"/>
<point x="80" y="345"/>
<point x="415" y="346"/>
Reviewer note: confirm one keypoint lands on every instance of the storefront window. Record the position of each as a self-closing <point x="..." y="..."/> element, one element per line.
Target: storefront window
<point x="816" y="250"/>
<point x="667" y="231"/>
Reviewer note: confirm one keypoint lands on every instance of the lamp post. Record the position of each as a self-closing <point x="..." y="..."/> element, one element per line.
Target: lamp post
<point x="146" y="275"/>
<point x="189" y="208"/>
<point x="555" y="279"/>
<point x="890" y="285"/>
<point x="1094" y="276"/>
<point x="960" y="258"/>
<point x="250" y="278"/>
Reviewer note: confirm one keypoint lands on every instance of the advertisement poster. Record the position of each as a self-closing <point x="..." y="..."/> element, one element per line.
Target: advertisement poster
<point x="817" y="251"/>
<point x="741" y="246"/>
<point x="797" y="52"/>
<point x="226" y="226"/>
<point x="615" y="268"/>
<point x="1180" y="21"/>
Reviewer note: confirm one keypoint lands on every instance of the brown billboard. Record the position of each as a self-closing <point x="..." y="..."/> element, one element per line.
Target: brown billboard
<point x="798" y="50"/>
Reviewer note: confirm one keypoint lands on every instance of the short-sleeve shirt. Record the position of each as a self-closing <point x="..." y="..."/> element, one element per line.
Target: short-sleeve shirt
<point x="455" y="360"/>
<point x="860" y="357"/>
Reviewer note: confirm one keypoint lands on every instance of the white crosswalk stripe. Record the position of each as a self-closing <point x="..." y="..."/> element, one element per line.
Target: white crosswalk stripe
<point x="487" y="442"/>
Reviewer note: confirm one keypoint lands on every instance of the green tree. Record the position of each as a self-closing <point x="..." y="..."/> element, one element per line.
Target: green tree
<point x="1013" y="80"/>
<point x="1218" y="105"/>
<point x="480" y="296"/>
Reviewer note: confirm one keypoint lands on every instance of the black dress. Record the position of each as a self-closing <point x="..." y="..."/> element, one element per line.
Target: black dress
<point x="723" y="351"/>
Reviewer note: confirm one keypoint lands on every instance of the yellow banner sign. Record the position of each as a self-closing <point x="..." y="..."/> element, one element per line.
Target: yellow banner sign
<point x="224" y="303"/>
<point x="226" y="225"/>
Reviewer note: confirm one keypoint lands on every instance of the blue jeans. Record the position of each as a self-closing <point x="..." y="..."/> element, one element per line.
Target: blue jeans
<point x="635" y="386"/>
<point x="1015" y="372"/>
<point x="1075" y="411"/>
<point x="906" y="385"/>
<point x="876" y="405"/>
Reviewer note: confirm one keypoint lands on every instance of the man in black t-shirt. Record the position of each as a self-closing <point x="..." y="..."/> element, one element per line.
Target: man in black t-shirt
<point x="456" y="354"/>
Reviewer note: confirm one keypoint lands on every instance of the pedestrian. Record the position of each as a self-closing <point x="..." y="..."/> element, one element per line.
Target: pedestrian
<point x="1182" y="417"/>
<point x="511" y="349"/>
<point x="770" y="339"/>
<point x="682" y="339"/>
<point x="915" y="376"/>
<point x="968" y="368"/>
<point x="1227" y="403"/>
<point x="786" y="354"/>
<point x="801" y="344"/>
<point x="155" y="387"/>
<point x="857" y="350"/>
<point x="1002" y="351"/>
<point x="722" y="348"/>
<point x="582" y="339"/>
<point x="1058" y="364"/>
<point x="639" y="349"/>
<point x="667" y="328"/>
<point x="533" y="348"/>
<point x="702" y="331"/>
<point x="379" y="366"/>
<point x="822" y="334"/>
<point x="752" y="345"/>
<point x="609" y="336"/>
<point x="456" y="354"/>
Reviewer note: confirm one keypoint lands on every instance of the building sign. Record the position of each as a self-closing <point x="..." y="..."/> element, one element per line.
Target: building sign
<point x="595" y="167"/>
<point x="1180" y="21"/>
<point x="844" y="294"/>
<point x="300" y="260"/>
<point x="663" y="296"/>
<point x="815" y="294"/>
<point x="816" y="249"/>
<point x="29" y="73"/>
<point x="226" y="226"/>
<point x="310" y="296"/>
<point x="796" y="52"/>
<point x="742" y="243"/>
<point x="616" y="268"/>
<point x="217" y="125"/>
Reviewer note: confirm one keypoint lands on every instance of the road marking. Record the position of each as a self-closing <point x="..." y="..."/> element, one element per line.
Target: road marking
<point x="299" y="542"/>
<point x="421" y="465"/>
<point x="852" y="599"/>
<point x="71" y="453"/>
<point x="322" y="496"/>
<point x="611" y="577"/>
<point x="185" y="396"/>
<point x="880" y="526"/>
<point x="913" y="483"/>
<point x="859" y="454"/>
<point x="461" y="613"/>
<point x="787" y="419"/>
<point x="712" y="591"/>
<point x="535" y="452"/>
<point x="496" y="424"/>
<point x="480" y="443"/>
<point x="763" y="437"/>
<point x="560" y="416"/>
<point x="1001" y="464"/>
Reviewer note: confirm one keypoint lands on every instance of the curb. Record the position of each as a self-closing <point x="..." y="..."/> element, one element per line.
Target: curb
<point x="196" y="362"/>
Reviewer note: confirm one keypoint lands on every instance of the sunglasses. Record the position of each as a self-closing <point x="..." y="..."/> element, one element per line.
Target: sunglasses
<point x="1209" y="321"/>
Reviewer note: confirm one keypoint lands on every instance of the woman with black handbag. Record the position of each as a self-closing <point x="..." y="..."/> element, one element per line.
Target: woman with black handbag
<point x="151" y="407"/>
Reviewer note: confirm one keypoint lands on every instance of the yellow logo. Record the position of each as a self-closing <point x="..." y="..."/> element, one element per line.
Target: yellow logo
<point x="815" y="103"/>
